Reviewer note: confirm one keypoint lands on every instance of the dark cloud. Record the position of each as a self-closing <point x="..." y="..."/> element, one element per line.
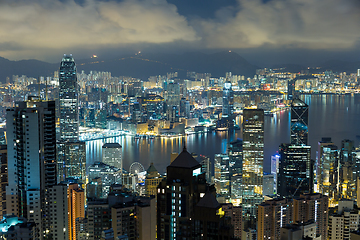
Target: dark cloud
<point x="44" y="28"/>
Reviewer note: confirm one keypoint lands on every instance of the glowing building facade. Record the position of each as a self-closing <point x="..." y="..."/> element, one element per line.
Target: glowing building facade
<point x="299" y="122"/>
<point x="253" y="152"/>
<point x="69" y="100"/>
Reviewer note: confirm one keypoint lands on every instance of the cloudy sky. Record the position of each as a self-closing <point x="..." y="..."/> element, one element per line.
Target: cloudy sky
<point x="45" y="29"/>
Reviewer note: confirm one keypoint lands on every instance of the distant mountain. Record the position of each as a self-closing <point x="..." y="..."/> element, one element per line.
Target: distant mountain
<point x="139" y="66"/>
<point x="30" y="68"/>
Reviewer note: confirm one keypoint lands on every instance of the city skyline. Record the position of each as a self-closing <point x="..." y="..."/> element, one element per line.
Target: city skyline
<point x="259" y="28"/>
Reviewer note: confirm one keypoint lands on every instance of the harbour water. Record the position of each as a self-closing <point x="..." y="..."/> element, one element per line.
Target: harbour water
<point x="335" y="116"/>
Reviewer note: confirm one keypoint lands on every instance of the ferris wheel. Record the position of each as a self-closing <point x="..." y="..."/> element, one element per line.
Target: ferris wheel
<point x="136" y="168"/>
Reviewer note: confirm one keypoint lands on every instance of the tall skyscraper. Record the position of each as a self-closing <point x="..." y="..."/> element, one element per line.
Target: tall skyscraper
<point x="222" y="177"/>
<point x="328" y="179"/>
<point x="291" y="89"/>
<point x="295" y="175"/>
<point x="348" y="170"/>
<point x="253" y="150"/>
<point x="3" y="179"/>
<point x="69" y="100"/>
<point x="299" y="122"/>
<point x="76" y="207"/>
<point x="31" y="158"/>
<point x="228" y="100"/>
<point x="235" y="153"/>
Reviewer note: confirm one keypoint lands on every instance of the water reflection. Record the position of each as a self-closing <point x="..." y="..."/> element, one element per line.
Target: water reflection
<point x="329" y="116"/>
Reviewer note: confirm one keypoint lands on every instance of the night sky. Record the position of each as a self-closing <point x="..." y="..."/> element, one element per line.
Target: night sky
<point x="45" y="29"/>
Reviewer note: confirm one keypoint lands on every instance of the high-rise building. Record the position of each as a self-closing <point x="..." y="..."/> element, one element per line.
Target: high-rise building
<point x="111" y="154"/>
<point x="275" y="160"/>
<point x="71" y="162"/>
<point x="299" y="122"/>
<point x="272" y="215"/>
<point x="228" y="100"/>
<point x="69" y="100"/>
<point x="253" y="158"/>
<point x="235" y="152"/>
<point x="76" y="207"/>
<point x="325" y="141"/>
<point x="178" y="194"/>
<point x="291" y="89"/>
<point x="328" y="179"/>
<point x="343" y="221"/>
<point x="56" y="213"/>
<point x="348" y="170"/>
<point x="98" y="218"/>
<point x="31" y="148"/>
<point x="312" y="207"/>
<point x="222" y="177"/>
<point x="295" y="170"/>
<point x="172" y="98"/>
<point x="3" y="179"/>
<point x="268" y="184"/>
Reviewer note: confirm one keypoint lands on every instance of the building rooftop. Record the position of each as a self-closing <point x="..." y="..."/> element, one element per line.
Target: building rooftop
<point x="185" y="160"/>
<point x="152" y="169"/>
<point x="111" y="145"/>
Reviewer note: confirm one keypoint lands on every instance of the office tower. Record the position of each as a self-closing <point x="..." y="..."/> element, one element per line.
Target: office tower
<point x="295" y="170"/>
<point x="172" y="98"/>
<point x="3" y="179"/>
<point x="328" y="179"/>
<point x="228" y="100"/>
<point x="69" y="100"/>
<point x="205" y="167"/>
<point x="71" y="161"/>
<point x="31" y="158"/>
<point x="343" y="221"/>
<point x="173" y="114"/>
<point x="275" y="160"/>
<point x="76" y="207"/>
<point x="268" y="184"/>
<point x="253" y="152"/>
<point x="312" y="207"/>
<point x="111" y="154"/>
<point x="325" y="141"/>
<point x="291" y="89"/>
<point x="107" y="174"/>
<point x="222" y="177"/>
<point x="348" y="170"/>
<point x="152" y="180"/>
<point x="272" y="215"/>
<point x="57" y="213"/>
<point x="235" y="152"/>
<point x="178" y="194"/>
<point x="299" y="122"/>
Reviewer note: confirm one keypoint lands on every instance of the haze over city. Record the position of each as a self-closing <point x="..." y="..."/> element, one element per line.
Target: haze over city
<point x="264" y="32"/>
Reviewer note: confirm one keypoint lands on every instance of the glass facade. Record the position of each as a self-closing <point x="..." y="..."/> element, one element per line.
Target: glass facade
<point x="295" y="175"/>
<point x="253" y="150"/>
<point x="235" y="165"/>
<point x="69" y="100"/>
<point x="299" y="122"/>
<point x="228" y="100"/>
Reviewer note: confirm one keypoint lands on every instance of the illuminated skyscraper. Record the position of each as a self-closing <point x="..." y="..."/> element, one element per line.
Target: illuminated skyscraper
<point x="253" y="150"/>
<point x="69" y="100"/>
<point x="228" y="100"/>
<point x="222" y="177"/>
<point x="235" y="153"/>
<point x="295" y="175"/>
<point x="76" y="207"/>
<point x="299" y="122"/>
<point x="291" y="89"/>
<point x="31" y="148"/>
<point x="111" y="155"/>
<point x="328" y="179"/>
